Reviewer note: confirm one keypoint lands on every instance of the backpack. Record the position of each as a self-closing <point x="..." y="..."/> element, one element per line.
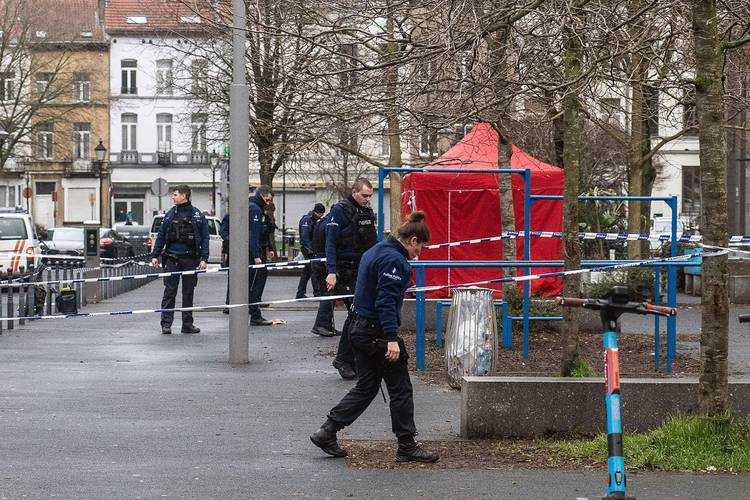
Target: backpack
<point x="319" y="236"/>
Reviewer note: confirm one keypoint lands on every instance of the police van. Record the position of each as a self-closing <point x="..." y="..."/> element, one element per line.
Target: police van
<point x="19" y="244"/>
<point x="214" y="240"/>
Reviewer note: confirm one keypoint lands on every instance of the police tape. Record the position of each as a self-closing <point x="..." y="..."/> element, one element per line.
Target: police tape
<point x="655" y="237"/>
<point x="175" y="309"/>
<point x="53" y="257"/>
<point x="294" y="264"/>
<point x="557" y="274"/>
<point x="340" y="297"/>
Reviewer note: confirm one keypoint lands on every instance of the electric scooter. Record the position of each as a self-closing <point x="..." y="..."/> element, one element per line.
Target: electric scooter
<point x="610" y="307"/>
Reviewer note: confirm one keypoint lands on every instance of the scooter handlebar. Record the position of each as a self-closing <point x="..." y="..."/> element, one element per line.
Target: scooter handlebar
<point x="571" y="301"/>
<point x="661" y="310"/>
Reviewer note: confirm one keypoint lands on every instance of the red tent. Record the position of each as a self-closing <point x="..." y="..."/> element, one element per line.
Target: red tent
<point x="467" y="206"/>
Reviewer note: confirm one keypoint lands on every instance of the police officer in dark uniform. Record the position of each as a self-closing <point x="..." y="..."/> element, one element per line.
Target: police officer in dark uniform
<point x="350" y="231"/>
<point x="384" y="275"/>
<point x="183" y="237"/>
<point x="306" y="225"/>
<point x="258" y="250"/>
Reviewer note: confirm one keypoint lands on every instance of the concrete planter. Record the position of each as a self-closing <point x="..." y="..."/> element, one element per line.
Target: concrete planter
<point x="495" y="407"/>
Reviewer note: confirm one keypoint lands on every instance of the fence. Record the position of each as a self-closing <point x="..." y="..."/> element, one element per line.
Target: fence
<point x="25" y="298"/>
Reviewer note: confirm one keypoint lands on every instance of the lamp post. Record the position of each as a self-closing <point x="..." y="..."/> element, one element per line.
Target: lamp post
<point x="100" y="150"/>
<point x="213" y="161"/>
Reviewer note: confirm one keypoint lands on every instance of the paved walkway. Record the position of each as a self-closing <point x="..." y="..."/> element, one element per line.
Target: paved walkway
<point x="95" y="408"/>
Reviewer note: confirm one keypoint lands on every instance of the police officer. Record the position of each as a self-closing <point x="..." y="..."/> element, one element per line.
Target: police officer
<point x="384" y="275"/>
<point x="350" y="232"/>
<point x="183" y="237"/>
<point x="258" y="250"/>
<point x="306" y="224"/>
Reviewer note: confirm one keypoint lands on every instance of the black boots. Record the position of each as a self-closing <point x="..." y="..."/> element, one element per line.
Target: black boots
<point x="346" y="370"/>
<point x="190" y="329"/>
<point x="326" y="441"/>
<point x="413" y="452"/>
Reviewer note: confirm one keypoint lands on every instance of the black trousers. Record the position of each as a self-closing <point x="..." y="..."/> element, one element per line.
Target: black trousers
<point x="372" y="368"/>
<point x="256" y="282"/>
<point x="346" y="278"/>
<point x="307" y="274"/>
<point x="172" y="263"/>
<point x="324" y="318"/>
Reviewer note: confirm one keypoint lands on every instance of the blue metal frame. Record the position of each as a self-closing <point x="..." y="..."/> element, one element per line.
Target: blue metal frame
<point x="525" y="265"/>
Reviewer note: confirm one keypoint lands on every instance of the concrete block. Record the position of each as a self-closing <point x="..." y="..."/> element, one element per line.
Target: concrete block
<point x="495" y="407"/>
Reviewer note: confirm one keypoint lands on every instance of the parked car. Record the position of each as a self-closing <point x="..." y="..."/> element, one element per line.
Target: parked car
<point x="69" y="241"/>
<point x="137" y="235"/>
<point x="19" y="244"/>
<point x="113" y="245"/>
<point x="214" y="240"/>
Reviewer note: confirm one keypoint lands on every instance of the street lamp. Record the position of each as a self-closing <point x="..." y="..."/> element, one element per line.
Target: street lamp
<point x="213" y="161"/>
<point x="100" y="150"/>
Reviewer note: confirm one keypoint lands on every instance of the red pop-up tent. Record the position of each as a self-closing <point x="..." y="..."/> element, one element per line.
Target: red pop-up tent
<point x="461" y="206"/>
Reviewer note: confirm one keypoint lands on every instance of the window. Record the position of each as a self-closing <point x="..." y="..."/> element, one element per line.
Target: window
<point x="190" y="19"/>
<point x="44" y="141"/>
<point x="129" y="130"/>
<point x="129" y="67"/>
<point x="136" y="20"/>
<point x="691" y="190"/>
<point x="464" y="64"/>
<point x="9" y="195"/>
<point x="12" y="229"/>
<point x="164" y="78"/>
<point x="199" y="72"/>
<point x="82" y="141"/>
<point x="164" y="132"/>
<point x="688" y="112"/>
<point x="611" y="111"/>
<point x="81" y="87"/>
<point x="427" y="140"/>
<point x="7" y="86"/>
<point x="651" y="96"/>
<point x="385" y="143"/>
<point x="44" y="86"/>
<point x="198" y="127"/>
<point x="348" y="52"/>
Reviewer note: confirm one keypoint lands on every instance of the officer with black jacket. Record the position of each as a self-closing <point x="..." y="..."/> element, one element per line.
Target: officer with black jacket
<point x="306" y="225"/>
<point x="183" y="237"/>
<point x="350" y="232"/>
<point x="384" y="275"/>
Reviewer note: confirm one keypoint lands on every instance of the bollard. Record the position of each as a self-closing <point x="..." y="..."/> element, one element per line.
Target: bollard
<point x="9" y="303"/>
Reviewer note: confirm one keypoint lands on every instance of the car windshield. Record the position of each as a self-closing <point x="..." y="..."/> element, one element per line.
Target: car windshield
<point x="156" y="224"/>
<point x="12" y="229"/>
<point x="66" y="234"/>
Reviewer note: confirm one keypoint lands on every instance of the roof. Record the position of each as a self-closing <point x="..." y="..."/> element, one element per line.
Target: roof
<point x="48" y="21"/>
<point x="140" y="16"/>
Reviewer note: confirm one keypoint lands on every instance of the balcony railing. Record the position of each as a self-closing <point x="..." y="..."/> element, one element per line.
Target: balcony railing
<point x="129" y="157"/>
<point x="199" y="156"/>
<point x="14" y="165"/>
<point x="81" y="166"/>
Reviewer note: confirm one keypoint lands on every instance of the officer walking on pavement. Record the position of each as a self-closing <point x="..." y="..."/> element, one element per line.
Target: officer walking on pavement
<point x="306" y="224"/>
<point x="183" y="238"/>
<point x="350" y="231"/>
<point x="384" y="275"/>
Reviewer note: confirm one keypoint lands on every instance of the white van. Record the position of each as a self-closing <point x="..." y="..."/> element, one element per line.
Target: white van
<point x="214" y="240"/>
<point x="19" y="244"/>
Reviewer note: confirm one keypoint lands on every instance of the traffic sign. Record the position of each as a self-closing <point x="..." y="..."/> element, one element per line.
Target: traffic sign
<point x="160" y="187"/>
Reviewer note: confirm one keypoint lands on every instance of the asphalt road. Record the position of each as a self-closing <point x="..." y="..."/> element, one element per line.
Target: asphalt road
<point x="94" y="408"/>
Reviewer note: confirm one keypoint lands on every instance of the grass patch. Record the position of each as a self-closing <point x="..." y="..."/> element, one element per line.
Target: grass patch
<point x="681" y="444"/>
<point x="582" y="369"/>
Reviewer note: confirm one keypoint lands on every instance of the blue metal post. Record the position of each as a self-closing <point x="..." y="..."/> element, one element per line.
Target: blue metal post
<point x="615" y="460"/>
<point x="420" y="315"/>
<point x="507" y="326"/>
<point x="439" y="324"/>
<point x="672" y="290"/>
<point x="526" y="257"/>
<point x="381" y="177"/>
<point x="657" y="323"/>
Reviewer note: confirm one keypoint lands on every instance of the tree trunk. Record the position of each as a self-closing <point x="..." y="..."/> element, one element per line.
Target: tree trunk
<point x="572" y="62"/>
<point x="394" y="129"/>
<point x="497" y="52"/>
<point x="709" y="105"/>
